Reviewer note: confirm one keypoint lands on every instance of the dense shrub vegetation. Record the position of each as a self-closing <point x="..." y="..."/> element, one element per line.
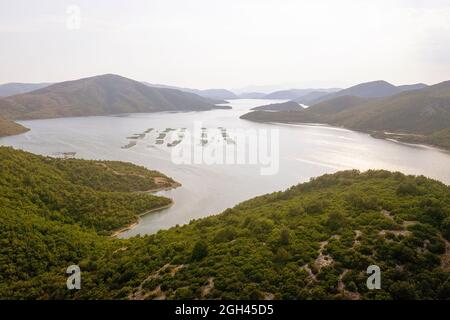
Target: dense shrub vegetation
<point x="93" y="194"/>
<point x="312" y="241"/>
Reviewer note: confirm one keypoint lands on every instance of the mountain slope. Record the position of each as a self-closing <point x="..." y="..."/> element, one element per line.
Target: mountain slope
<point x="284" y="116"/>
<point x="421" y="111"/>
<point x="337" y="105"/>
<point x="99" y="95"/>
<point x="286" y="106"/>
<point x="10" y="128"/>
<point x="419" y="116"/>
<point x="251" y="95"/>
<point x="215" y="94"/>
<point x="312" y="241"/>
<point x="373" y="89"/>
<point x="410" y="87"/>
<point x="311" y="97"/>
<point x="9" y="89"/>
<point x="221" y="94"/>
<point x="97" y="195"/>
<point x="294" y="93"/>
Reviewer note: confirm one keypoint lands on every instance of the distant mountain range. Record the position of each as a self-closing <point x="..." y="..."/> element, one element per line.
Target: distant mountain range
<point x="219" y="94"/>
<point x="419" y="116"/>
<point x="413" y="113"/>
<point x="13" y="88"/>
<point x="10" y="89"/>
<point x="252" y="95"/>
<point x="311" y="97"/>
<point x="295" y="93"/>
<point x="373" y="89"/>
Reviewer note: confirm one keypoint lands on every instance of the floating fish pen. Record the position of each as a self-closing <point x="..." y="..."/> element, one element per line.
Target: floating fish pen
<point x="230" y="141"/>
<point x="174" y="143"/>
<point x="130" y="145"/>
<point x="137" y="136"/>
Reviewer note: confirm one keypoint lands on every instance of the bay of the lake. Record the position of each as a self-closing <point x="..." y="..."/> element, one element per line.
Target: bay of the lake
<point x="305" y="151"/>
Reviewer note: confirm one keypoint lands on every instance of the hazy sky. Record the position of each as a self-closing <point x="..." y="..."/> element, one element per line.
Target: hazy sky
<point x="227" y="43"/>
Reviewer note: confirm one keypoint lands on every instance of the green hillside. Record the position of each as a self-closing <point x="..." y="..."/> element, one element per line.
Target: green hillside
<point x="312" y="241"/>
<point x="93" y="194"/>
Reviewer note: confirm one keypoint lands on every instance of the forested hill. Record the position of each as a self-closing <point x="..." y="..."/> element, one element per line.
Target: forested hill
<point x="312" y="241"/>
<point x="100" y="95"/>
<point x="93" y="194"/>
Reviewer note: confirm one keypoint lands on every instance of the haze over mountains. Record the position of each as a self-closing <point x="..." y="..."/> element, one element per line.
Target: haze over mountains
<point x="12" y="88"/>
<point x="421" y="116"/>
<point x="414" y="113"/>
<point x="252" y="95"/>
<point x="373" y="89"/>
<point x="219" y="94"/>
<point x="296" y="93"/>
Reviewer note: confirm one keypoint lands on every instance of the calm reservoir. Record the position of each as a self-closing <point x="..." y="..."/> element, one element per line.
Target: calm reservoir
<point x="305" y="151"/>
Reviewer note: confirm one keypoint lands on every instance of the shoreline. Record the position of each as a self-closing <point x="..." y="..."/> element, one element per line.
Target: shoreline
<point x="131" y="226"/>
<point x="373" y="134"/>
<point x="173" y="185"/>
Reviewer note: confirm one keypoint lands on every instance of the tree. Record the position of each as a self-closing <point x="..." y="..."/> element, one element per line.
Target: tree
<point x="199" y="251"/>
<point x="446" y="228"/>
<point x="403" y="290"/>
<point x="336" y="220"/>
<point x="407" y="188"/>
<point x="282" y="256"/>
<point x="284" y="237"/>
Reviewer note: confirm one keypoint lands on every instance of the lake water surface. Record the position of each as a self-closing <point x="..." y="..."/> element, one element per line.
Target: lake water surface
<point x="305" y="151"/>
